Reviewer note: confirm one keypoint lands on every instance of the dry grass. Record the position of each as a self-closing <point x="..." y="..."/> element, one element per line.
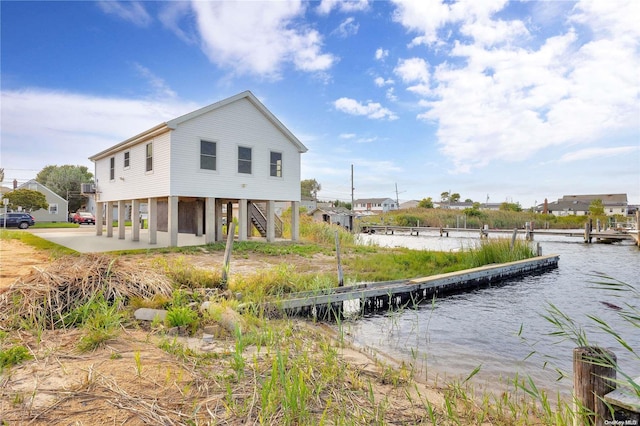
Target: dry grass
<point x="47" y="295"/>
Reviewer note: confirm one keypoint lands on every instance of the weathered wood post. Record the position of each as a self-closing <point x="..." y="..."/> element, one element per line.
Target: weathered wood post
<point x="594" y="375"/>
<point x="513" y="239"/>
<point x="227" y="252"/>
<point x="340" y="276"/>
<point x="587" y="231"/>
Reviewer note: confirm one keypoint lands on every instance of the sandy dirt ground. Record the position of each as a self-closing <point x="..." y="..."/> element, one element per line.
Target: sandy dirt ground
<point x="132" y="381"/>
<point x="18" y="259"/>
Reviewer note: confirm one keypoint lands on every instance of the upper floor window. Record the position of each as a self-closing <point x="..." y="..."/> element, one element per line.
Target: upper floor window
<point x="126" y="159"/>
<point x="53" y="209"/>
<point x="149" y="157"/>
<point x="244" y="159"/>
<point x="276" y="164"/>
<point x="207" y="155"/>
<point x="112" y="168"/>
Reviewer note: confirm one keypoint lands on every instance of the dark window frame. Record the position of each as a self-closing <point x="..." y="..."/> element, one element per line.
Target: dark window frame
<point x="275" y="164"/>
<point x="244" y="160"/>
<point x="207" y="157"/>
<point x="149" y="157"/>
<point x="112" y="168"/>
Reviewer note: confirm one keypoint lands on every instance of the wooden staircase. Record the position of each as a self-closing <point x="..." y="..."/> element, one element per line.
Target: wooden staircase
<point x="259" y="220"/>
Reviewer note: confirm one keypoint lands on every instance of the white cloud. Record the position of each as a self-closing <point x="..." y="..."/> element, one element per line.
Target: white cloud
<point x="381" y="82"/>
<point x="598" y="153"/>
<point x="347" y="28"/>
<point x="347" y="6"/>
<point x="160" y="88"/>
<point x="381" y="54"/>
<point x="501" y="98"/>
<point x="391" y="94"/>
<point x="133" y="12"/>
<point x="174" y="16"/>
<point x="414" y="71"/>
<point x="259" y="37"/>
<point x="347" y="135"/>
<point x="42" y="127"/>
<point x="370" y="110"/>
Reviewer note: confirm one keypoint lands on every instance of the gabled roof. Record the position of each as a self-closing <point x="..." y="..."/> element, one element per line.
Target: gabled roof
<point x="42" y="188"/>
<point x="173" y="124"/>
<point x="371" y="200"/>
<point x="331" y="210"/>
<point x="606" y="199"/>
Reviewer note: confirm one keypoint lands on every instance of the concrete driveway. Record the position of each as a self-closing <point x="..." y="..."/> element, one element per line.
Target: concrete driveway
<point x="84" y="239"/>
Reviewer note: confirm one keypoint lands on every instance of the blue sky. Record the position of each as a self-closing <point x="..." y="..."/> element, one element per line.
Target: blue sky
<point x="497" y="100"/>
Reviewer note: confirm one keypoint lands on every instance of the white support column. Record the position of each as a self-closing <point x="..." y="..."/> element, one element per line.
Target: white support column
<point x="152" y="213"/>
<point x="172" y="226"/>
<point x="271" y="224"/>
<point x="211" y="219"/>
<point x="135" y="220"/>
<point x="295" y="220"/>
<point x="109" y="223"/>
<point x="243" y="218"/>
<point x="199" y="218"/>
<point x="121" y="219"/>
<point x="99" y="218"/>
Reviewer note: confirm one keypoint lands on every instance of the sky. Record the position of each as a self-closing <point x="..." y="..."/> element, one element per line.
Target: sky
<point x="495" y="100"/>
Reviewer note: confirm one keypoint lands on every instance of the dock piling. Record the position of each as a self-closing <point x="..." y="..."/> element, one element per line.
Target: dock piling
<point x="594" y="375"/>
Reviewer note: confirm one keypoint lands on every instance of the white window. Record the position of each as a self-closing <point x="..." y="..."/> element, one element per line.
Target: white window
<point x="126" y="159"/>
<point x="53" y="209"/>
<point x="112" y="168"/>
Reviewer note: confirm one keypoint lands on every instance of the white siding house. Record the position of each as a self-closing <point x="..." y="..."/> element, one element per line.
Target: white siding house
<point x="374" y="205"/>
<point x="233" y="153"/>
<point x="58" y="210"/>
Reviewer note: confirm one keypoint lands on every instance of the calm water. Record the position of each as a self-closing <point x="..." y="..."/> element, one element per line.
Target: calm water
<point x="498" y="327"/>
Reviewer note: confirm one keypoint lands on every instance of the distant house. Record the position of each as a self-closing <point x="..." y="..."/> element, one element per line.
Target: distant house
<point x="233" y="153"/>
<point x="578" y="205"/>
<point x="374" y="205"/>
<point x="333" y="215"/>
<point x="411" y="204"/>
<point x="58" y="210"/>
<point x="461" y="205"/>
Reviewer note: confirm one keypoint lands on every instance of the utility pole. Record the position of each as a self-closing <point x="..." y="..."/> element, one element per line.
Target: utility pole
<point x="352" y="205"/>
<point x="397" y="199"/>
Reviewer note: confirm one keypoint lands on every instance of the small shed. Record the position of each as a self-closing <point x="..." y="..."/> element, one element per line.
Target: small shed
<point x="335" y="215"/>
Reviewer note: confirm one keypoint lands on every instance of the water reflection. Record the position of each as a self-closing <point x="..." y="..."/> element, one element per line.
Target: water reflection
<point x="500" y="327"/>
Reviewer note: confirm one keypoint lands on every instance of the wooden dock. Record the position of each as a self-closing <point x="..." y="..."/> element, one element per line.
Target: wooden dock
<point x="327" y="304"/>
<point x="588" y="236"/>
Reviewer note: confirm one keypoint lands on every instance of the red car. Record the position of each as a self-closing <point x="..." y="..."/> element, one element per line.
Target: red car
<point x="84" y="217"/>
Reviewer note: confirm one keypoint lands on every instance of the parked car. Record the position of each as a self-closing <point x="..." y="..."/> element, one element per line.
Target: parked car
<point x="84" y="217"/>
<point x="17" y="220"/>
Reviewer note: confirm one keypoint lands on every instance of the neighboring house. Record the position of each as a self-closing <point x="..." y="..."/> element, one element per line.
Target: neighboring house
<point x="333" y="215"/>
<point x="461" y="205"/>
<point x="578" y="205"/>
<point x="411" y="204"/>
<point x="374" y="205"/>
<point x="233" y="153"/>
<point x="58" y="210"/>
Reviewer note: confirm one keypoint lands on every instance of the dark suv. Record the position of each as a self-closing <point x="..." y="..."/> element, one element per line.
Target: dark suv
<point x="18" y="220"/>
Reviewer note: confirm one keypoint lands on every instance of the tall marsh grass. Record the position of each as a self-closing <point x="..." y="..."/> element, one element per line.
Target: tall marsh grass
<point x="497" y="250"/>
